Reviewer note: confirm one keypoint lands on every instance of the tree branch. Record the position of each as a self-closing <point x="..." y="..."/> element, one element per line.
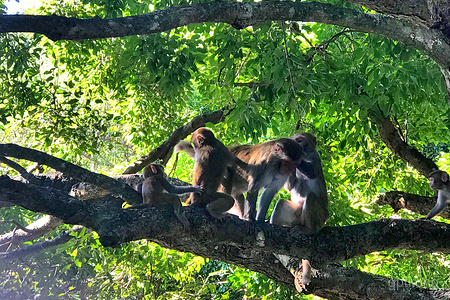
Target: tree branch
<point x="415" y="203"/>
<point x="116" y="225"/>
<point x="110" y="184"/>
<point x="247" y="244"/>
<point x="337" y="282"/>
<point x="237" y="14"/>
<point x="41" y="246"/>
<point x="391" y="137"/>
<point x="166" y="148"/>
<point x="34" y="230"/>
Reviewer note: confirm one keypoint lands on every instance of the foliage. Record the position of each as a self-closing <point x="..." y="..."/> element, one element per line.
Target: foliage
<point x="103" y="103"/>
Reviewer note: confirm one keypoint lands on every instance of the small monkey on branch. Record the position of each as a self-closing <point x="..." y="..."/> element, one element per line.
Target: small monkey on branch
<point x="156" y="190"/>
<point x="439" y="181"/>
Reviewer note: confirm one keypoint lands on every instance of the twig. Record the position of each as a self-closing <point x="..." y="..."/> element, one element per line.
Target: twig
<point x="38" y="247"/>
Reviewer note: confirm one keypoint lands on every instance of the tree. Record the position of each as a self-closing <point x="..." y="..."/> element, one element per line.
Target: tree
<point x="362" y="89"/>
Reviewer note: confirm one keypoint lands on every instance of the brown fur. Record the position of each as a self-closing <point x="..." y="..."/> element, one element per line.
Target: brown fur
<point x="156" y="190"/>
<point x="211" y="161"/>
<point x="270" y="164"/>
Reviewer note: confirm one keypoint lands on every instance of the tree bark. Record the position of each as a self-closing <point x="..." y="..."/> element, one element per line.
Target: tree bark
<point x="35" y="230"/>
<point x="391" y="137"/>
<point x="424" y="23"/>
<point x="110" y="184"/>
<point x="415" y="203"/>
<point x="241" y="15"/>
<point x="247" y="244"/>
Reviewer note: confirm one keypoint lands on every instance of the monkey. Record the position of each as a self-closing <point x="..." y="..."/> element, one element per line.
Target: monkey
<point x="307" y="211"/>
<point x="269" y="166"/>
<point x="156" y="190"/>
<point x="265" y="165"/>
<point x="211" y="161"/>
<point x="439" y="181"/>
<point x="309" y="201"/>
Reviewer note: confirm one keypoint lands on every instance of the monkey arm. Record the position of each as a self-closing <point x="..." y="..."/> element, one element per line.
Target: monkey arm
<point x="180" y="189"/>
<point x="186" y="147"/>
<point x="440" y="204"/>
<point x="307" y="169"/>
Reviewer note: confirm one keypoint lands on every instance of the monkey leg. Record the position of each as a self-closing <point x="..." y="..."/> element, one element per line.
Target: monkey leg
<point x="266" y="198"/>
<point x="174" y="201"/>
<point x="315" y="212"/>
<point x="239" y="206"/>
<point x="179" y="213"/>
<point x="284" y="214"/>
<point x="219" y="204"/>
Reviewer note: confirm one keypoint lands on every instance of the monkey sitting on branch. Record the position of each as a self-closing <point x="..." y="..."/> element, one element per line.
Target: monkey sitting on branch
<point x="211" y="161"/>
<point x="307" y="210"/>
<point x="439" y="181"/>
<point x="254" y="167"/>
<point x="156" y="190"/>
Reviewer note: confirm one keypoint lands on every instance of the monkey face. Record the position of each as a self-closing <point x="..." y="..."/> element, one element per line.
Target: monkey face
<point x="432" y="183"/>
<point x="306" y="140"/>
<point x="290" y="154"/>
<point x="197" y="141"/>
<point x="438" y="180"/>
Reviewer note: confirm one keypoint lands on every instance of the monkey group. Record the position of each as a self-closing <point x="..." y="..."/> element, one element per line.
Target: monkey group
<point x="222" y="175"/>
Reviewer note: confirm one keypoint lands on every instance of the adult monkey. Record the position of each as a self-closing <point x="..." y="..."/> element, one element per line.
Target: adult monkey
<point x="211" y="161"/>
<point x="268" y="166"/>
<point x="276" y="160"/>
<point x="439" y="181"/>
<point x="307" y="210"/>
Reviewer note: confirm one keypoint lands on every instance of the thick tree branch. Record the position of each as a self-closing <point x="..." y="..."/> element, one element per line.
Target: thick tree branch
<point x="336" y="282"/>
<point x="391" y="137"/>
<point x="239" y="15"/>
<point x="412" y="8"/>
<point x="415" y="203"/>
<point x="250" y="245"/>
<point x="241" y="239"/>
<point x="110" y="184"/>
<point x="165" y="149"/>
<point x="36" y="229"/>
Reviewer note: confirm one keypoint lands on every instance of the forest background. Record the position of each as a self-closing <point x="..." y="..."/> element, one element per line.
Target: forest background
<point x="104" y="103"/>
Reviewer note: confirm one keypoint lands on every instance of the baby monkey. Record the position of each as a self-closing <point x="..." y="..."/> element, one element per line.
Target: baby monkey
<point x="439" y="181"/>
<point x="156" y="190"/>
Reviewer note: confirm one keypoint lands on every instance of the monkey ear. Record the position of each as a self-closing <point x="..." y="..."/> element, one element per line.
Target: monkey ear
<point x="200" y="140"/>
<point x="314" y="141"/>
<point x="444" y="177"/>
<point x="154" y="169"/>
<point x="277" y="147"/>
